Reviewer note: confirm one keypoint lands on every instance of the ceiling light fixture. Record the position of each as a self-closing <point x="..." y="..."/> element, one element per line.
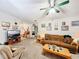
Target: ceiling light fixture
<point x="51" y="8"/>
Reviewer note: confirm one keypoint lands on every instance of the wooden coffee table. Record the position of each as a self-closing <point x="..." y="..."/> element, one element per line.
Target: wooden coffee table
<point x="63" y="53"/>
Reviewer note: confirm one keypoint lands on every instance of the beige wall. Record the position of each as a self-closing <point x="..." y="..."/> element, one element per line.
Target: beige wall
<point x="12" y="19"/>
<point x="8" y="18"/>
<point x="72" y="29"/>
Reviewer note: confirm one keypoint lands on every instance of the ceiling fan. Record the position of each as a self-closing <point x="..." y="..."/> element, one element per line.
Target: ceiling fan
<point x="47" y="10"/>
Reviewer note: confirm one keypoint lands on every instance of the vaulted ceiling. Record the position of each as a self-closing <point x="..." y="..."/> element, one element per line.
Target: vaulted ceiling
<point x="29" y="10"/>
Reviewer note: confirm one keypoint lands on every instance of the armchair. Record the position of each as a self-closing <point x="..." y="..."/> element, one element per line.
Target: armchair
<point x="6" y="53"/>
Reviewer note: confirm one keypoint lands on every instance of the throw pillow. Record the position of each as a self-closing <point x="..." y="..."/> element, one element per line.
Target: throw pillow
<point x="76" y="40"/>
<point x="68" y="40"/>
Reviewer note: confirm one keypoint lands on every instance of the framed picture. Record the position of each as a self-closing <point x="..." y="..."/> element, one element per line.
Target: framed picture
<point x="63" y="23"/>
<point x="43" y="25"/>
<point x="65" y="28"/>
<point x="49" y="24"/>
<point x="49" y="27"/>
<point x="75" y="23"/>
<point x="5" y="24"/>
<point x="56" y="26"/>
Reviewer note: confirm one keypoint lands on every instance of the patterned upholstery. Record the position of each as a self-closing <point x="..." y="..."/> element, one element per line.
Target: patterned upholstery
<point x="7" y="53"/>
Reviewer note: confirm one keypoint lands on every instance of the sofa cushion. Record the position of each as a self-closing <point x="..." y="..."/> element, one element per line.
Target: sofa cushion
<point x="54" y="37"/>
<point x="68" y="40"/>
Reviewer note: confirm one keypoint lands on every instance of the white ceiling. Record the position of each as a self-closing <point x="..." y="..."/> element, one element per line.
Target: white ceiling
<point x="29" y="10"/>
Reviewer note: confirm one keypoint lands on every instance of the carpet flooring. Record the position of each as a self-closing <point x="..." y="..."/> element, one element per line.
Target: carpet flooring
<point x="34" y="50"/>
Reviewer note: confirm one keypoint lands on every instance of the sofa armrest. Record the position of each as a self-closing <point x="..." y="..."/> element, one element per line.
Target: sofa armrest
<point x="40" y="39"/>
<point x="72" y="48"/>
<point x="76" y="49"/>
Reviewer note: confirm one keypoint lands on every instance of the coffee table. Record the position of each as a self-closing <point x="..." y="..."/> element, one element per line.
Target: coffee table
<point x="62" y="53"/>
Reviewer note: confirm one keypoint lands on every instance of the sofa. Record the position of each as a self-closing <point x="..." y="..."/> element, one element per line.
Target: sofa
<point x="59" y="41"/>
<point x="6" y="52"/>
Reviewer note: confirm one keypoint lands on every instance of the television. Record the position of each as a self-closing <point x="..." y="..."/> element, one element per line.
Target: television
<point x="13" y="33"/>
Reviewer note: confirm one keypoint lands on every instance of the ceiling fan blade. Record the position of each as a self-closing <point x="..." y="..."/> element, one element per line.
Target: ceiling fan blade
<point x="63" y="3"/>
<point x="57" y="11"/>
<point x="49" y="1"/>
<point x="43" y="8"/>
<point x="46" y="12"/>
<point x="54" y="2"/>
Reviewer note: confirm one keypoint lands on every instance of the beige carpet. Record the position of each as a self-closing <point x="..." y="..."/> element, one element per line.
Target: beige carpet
<point x="34" y="50"/>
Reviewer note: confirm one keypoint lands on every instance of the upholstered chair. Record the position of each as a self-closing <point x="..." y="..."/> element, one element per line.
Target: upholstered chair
<point x="6" y="53"/>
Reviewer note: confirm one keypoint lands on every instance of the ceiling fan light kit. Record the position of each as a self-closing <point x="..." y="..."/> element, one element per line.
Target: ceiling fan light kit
<point x="53" y="10"/>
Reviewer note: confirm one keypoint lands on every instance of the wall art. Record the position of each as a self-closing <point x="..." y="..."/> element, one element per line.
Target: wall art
<point x="63" y="23"/>
<point x="75" y="23"/>
<point x="5" y="24"/>
<point x="43" y="25"/>
<point x="49" y="27"/>
<point x="56" y="26"/>
<point x="65" y="28"/>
